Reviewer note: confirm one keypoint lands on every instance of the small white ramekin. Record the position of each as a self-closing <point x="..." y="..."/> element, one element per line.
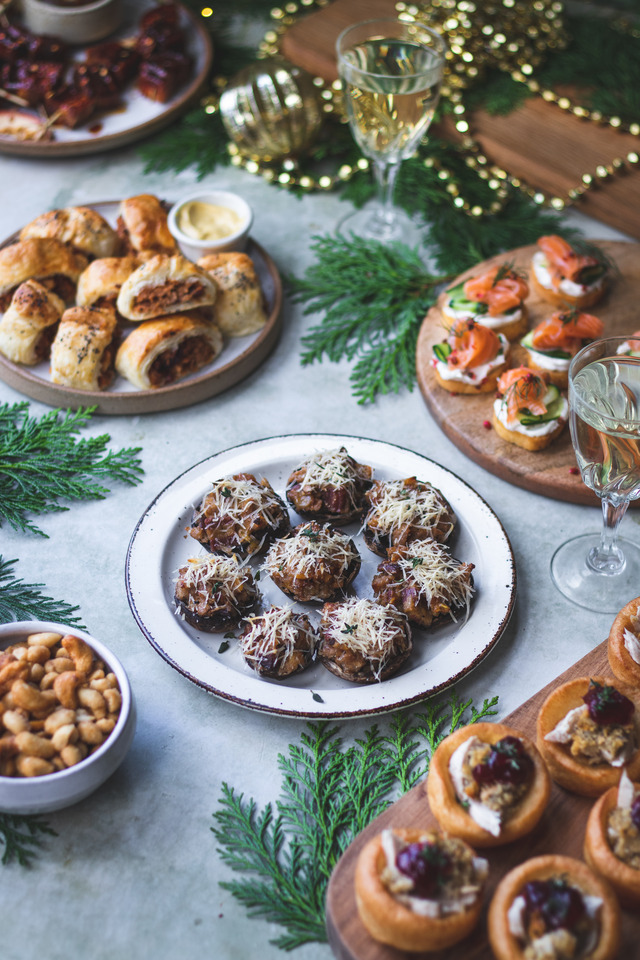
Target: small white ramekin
<point x="192" y="248"/>
<point x="83" y="24"/>
<point x="53" y="791"/>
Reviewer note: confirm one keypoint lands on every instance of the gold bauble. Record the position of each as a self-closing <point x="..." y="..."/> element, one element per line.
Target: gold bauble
<point x="271" y="110"/>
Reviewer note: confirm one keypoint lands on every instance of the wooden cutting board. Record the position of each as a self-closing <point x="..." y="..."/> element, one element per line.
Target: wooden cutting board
<point x="464" y="418"/>
<point x="561" y="830"/>
<point x="546" y="147"/>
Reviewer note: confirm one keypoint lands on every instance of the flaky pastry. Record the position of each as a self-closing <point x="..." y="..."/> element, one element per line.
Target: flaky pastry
<point x="82" y="228"/>
<point x="142" y="225"/>
<point x="50" y="261"/>
<point x="161" y="351"/>
<point x="458" y="821"/>
<point x="83" y="351"/>
<point x="28" y="324"/>
<point x="99" y="285"/>
<point x="239" y="305"/>
<point x="165" y="285"/>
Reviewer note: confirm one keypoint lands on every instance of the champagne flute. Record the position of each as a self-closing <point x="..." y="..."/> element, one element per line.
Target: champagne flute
<point x="391" y="71"/>
<point x="602" y="572"/>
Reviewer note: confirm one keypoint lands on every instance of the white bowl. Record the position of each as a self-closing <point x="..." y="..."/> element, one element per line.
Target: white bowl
<point x="83" y="24"/>
<point x="194" y="248"/>
<point x="54" y="791"/>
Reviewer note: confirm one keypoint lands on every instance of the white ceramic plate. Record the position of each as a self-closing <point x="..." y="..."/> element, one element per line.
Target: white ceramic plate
<point x="239" y="357"/>
<point x="440" y="657"/>
<point x="140" y="116"/>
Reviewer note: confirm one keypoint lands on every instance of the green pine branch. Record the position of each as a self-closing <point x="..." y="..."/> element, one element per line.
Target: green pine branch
<point x="20" y="836"/>
<point x="330" y="792"/>
<point x="24" y="601"/>
<point x="42" y="463"/>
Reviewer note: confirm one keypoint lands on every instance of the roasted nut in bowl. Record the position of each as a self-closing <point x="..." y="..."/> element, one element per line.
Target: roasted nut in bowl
<point x="67" y="716"/>
<point x="77" y="23"/>
<point x="211" y="221"/>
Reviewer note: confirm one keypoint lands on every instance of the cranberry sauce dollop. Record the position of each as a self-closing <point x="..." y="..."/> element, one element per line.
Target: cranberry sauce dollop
<point x="558" y="904"/>
<point x="635" y="812"/>
<point x="608" y="705"/>
<point x="508" y="762"/>
<point x="427" y="865"/>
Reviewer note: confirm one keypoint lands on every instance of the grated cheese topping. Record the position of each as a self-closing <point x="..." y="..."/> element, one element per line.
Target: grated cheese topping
<point x="313" y="549"/>
<point x="220" y="576"/>
<point x="278" y="631"/>
<point x="366" y="628"/>
<point x="241" y="500"/>
<point x="436" y="573"/>
<point x="332" y="468"/>
<point x="399" y="505"/>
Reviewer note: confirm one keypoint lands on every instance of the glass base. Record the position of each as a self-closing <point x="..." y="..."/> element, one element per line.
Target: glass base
<point x="606" y="591"/>
<point x="373" y="222"/>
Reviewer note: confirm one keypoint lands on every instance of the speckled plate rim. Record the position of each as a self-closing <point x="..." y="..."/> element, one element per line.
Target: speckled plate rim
<point x="247" y="354"/>
<point x="130" y="127"/>
<point x="160" y="540"/>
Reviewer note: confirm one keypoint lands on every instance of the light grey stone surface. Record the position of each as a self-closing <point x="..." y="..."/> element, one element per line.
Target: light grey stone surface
<point x="134" y="870"/>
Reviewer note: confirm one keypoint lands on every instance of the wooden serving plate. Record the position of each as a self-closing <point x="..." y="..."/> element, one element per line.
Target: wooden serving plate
<point x="465" y="418"/>
<point x="561" y="830"/>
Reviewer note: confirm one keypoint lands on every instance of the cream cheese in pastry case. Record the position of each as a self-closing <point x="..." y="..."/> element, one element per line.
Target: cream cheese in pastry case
<point x="50" y="261"/>
<point x="99" y="285"/>
<point x="83" y="352"/>
<point x="159" y="352"/>
<point x="28" y="325"/>
<point x="82" y="228"/>
<point x="239" y="306"/>
<point x="142" y="225"/>
<point x="165" y="285"/>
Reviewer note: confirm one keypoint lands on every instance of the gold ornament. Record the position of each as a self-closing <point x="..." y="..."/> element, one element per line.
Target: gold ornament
<point x="271" y="110"/>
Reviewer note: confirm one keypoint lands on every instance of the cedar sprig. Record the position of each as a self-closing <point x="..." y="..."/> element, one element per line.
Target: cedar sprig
<point x="24" y="601"/>
<point x="330" y="792"/>
<point x="42" y="463"/>
<point x="20" y="836"/>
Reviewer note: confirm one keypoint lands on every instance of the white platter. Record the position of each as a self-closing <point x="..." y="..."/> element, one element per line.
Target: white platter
<point x="160" y="545"/>
<point x="139" y="117"/>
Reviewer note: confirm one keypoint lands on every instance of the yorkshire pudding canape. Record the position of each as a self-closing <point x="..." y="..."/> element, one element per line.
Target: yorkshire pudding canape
<point x="487" y="784"/>
<point x="612" y="840"/>
<point x="585" y="743"/>
<point x="407" y="884"/>
<point x="623" y="649"/>
<point x="558" y="901"/>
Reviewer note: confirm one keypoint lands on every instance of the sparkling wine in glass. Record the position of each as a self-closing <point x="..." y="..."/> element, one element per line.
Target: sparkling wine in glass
<point x="602" y="572"/>
<point x="391" y="71"/>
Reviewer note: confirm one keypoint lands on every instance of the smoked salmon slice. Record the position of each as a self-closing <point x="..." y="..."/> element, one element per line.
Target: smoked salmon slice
<point x="523" y="389"/>
<point x="471" y="344"/>
<point x="566" y="330"/>
<point x="501" y="288"/>
<point x="563" y="262"/>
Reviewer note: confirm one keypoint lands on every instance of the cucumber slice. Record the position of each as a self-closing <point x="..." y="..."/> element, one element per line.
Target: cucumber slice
<point x="552" y="401"/>
<point x="442" y="351"/>
<point x="556" y="354"/>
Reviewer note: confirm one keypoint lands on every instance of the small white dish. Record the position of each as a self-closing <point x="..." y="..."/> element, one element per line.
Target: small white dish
<point x="194" y="213"/>
<point x="77" y="24"/>
<point x="54" y="791"/>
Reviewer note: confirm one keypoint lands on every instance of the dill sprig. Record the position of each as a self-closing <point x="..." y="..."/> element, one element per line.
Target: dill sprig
<point x="330" y="792"/>
<point x="42" y="462"/>
<point x="24" y="601"/>
<point x="19" y="835"/>
<point x="374" y="298"/>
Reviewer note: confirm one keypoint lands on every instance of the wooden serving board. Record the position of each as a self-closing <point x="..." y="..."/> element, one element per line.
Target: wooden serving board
<point x="561" y="830"/>
<point x="465" y="417"/>
<point x="544" y="146"/>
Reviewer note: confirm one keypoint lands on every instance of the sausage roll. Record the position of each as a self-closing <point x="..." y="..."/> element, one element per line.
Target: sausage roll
<point x="165" y="285"/>
<point x="83" y="352"/>
<point x="161" y="351"/>
<point x="142" y="225"/>
<point x="99" y="285"/>
<point x="240" y="304"/>
<point x="80" y="227"/>
<point x="50" y="261"/>
<point x="29" y="323"/>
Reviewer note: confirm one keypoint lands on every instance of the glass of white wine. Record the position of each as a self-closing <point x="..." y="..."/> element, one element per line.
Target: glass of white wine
<point x="391" y="71"/>
<point x="601" y="571"/>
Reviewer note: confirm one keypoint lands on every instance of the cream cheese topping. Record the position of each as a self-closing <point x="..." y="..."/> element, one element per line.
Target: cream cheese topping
<point x="569" y="287"/>
<point x="485" y="319"/>
<point x="542" y="359"/>
<point x="535" y="430"/>
<point x="474" y="375"/>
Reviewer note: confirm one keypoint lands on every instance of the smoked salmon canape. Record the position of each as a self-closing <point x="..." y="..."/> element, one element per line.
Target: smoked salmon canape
<point x="528" y="411"/>
<point x="552" y="345"/>
<point x="471" y="359"/>
<point x="573" y="275"/>
<point x="494" y="298"/>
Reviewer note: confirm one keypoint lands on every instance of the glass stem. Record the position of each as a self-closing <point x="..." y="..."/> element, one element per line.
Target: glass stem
<point x="385" y="176"/>
<point x="607" y="558"/>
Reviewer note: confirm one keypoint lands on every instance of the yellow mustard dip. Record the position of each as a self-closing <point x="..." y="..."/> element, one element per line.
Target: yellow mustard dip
<point x="207" y="221"/>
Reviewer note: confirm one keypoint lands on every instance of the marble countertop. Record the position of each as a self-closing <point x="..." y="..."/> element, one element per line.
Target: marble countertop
<point x="134" y="869"/>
